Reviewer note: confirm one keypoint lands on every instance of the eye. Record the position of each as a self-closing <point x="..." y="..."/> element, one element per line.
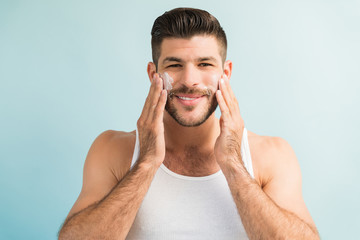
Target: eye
<point x="204" y="64"/>
<point x="174" y="65"/>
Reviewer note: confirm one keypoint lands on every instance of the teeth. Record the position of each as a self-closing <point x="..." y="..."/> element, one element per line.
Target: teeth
<point x="186" y="98"/>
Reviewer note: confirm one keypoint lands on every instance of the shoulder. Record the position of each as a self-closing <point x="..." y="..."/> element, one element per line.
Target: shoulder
<point x="106" y="163"/>
<point x="280" y="175"/>
<point x="270" y="155"/>
<point x="115" y="149"/>
<point x="113" y="137"/>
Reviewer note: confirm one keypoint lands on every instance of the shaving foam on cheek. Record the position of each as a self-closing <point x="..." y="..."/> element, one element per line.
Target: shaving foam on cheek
<point x="216" y="81"/>
<point x="167" y="81"/>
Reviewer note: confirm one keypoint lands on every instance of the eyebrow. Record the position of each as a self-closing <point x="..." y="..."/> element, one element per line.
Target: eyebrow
<point x="171" y="59"/>
<point x="200" y="59"/>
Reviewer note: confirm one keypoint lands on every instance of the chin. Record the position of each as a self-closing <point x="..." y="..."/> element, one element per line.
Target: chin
<point x="191" y="121"/>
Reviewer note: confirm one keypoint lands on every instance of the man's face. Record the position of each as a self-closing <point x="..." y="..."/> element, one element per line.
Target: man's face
<point x="196" y="66"/>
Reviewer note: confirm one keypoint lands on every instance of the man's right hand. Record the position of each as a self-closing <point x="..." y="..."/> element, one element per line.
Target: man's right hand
<point x="105" y="201"/>
<point x="151" y="126"/>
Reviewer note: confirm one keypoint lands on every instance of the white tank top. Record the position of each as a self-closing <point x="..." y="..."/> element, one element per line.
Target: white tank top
<point x="183" y="207"/>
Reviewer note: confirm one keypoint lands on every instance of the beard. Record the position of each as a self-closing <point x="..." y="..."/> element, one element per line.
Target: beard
<point x="205" y="112"/>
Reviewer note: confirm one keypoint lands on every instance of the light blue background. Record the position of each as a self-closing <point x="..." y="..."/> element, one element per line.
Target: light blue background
<point x="70" y="70"/>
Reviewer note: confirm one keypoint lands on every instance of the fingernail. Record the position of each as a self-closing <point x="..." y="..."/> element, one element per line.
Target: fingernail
<point x="222" y="80"/>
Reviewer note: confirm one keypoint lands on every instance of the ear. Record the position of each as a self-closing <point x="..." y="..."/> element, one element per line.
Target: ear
<point x="228" y="68"/>
<point x="151" y="70"/>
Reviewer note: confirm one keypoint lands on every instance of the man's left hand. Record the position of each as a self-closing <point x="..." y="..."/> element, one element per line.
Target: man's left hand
<point x="228" y="144"/>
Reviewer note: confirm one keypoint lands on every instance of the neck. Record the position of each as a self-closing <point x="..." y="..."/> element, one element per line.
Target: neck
<point x="190" y="150"/>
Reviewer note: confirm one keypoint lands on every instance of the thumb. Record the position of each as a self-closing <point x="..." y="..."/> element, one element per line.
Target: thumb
<point x="221" y="121"/>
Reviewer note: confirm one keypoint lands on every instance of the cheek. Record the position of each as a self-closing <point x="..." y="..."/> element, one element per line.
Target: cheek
<point x="213" y="82"/>
<point x="216" y="80"/>
<point x="168" y="81"/>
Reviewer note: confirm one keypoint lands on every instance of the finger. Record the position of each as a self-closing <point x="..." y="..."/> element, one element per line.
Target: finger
<point x="221" y="121"/>
<point x="147" y="100"/>
<point x="233" y="103"/>
<point x="159" y="110"/>
<point x="152" y="98"/>
<point x="227" y="83"/>
<point x="225" y="114"/>
<point x="225" y="92"/>
<point x="155" y="97"/>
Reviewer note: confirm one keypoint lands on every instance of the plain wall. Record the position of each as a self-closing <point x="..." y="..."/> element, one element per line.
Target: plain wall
<point x="70" y="70"/>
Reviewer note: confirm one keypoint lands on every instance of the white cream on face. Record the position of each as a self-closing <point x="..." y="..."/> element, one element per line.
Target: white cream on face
<point x="216" y="81"/>
<point x="167" y="81"/>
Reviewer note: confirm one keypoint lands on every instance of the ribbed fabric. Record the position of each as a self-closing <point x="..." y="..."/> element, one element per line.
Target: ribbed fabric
<point x="182" y="207"/>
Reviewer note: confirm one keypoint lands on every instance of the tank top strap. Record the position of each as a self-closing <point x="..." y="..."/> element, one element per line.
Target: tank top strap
<point x="136" y="149"/>
<point x="245" y="153"/>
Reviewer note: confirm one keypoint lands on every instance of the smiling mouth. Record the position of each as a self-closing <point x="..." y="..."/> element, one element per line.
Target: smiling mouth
<point x="188" y="98"/>
<point x="189" y="95"/>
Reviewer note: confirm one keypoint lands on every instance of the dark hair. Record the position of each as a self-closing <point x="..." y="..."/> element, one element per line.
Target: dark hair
<point x="186" y="23"/>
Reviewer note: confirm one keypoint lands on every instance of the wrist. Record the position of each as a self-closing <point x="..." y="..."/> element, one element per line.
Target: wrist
<point x="230" y="161"/>
<point x="148" y="163"/>
<point x="232" y="166"/>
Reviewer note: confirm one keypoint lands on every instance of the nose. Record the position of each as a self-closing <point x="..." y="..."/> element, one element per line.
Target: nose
<point x="190" y="76"/>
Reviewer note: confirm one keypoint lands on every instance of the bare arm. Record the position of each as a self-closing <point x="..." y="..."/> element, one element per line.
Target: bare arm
<point x="277" y="211"/>
<point x="113" y="215"/>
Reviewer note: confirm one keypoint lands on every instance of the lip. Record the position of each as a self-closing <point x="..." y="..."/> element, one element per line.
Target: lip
<point x="196" y="100"/>
<point x="189" y="95"/>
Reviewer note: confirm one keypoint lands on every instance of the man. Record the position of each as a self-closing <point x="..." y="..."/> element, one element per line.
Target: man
<point x="184" y="174"/>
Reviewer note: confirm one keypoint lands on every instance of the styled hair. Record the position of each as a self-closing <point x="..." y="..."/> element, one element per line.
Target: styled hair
<point x="186" y="23"/>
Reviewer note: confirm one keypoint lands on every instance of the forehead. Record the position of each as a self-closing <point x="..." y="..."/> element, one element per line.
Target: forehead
<point x="192" y="48"/>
